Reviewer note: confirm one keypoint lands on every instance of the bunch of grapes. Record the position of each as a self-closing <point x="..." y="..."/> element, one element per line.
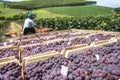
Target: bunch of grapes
<point x="45" y="70"/>
<point x="10" y="71"/>
<point x="106" y="68"/>
<point x="9" y="52"/>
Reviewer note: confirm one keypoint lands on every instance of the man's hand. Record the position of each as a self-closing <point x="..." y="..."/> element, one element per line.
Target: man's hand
<point x="39" y="27"/>
<point x="45" y="29"/>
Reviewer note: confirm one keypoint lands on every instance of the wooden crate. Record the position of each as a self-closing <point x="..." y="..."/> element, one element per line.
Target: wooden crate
<point x="29" y="39"/>
<point x="8" y="46"/>
<point x="42" y="56"/>
<point x="55" y="40"/>
<point x="101" y="42"/>
<point x="85" y="31"/>
<point x="29" y="60"/>
<point x="47" y="36"/>
<point x="78" y="50"/>
<point x="44" y="43"/>
<point x="118" y="39"/>
<point x="63" y="52"/>
<point x="7" y="59"/>
<point x="29" y="45"/>
<point x="10" y="60"/>
<point x="14" y="48"/>
<point x="97" y="32"/>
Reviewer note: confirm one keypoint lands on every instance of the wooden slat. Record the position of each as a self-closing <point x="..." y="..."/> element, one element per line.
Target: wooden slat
<point x="63" y="52"/>
<point x="96" y="44"/>
<point x="101" y="42"/>
<point x="7" y="59"/>
<point x="77" y="50"/>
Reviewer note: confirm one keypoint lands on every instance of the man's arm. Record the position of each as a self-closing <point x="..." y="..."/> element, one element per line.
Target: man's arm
<point x="37" y="26"/>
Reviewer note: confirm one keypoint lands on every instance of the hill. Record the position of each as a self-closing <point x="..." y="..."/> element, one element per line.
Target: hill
<point x="36" y="4"/>
<point x="90" y="10"/>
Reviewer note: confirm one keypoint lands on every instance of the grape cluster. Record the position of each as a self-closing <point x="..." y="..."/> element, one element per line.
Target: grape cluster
<point x="39" y="35"/>
<point x="106" y="68"/>
<point x="9" y="52"/>
<point x="92" y="38"/>
<point x="45" y="70"/>
<point x="10" y="71"/>
<point x="8" y="43"/>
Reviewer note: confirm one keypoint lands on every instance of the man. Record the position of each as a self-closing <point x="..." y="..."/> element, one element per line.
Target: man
<point x="29" y="25"/>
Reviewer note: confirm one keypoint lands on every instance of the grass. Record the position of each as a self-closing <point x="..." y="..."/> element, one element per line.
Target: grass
<point x="16" y="27"/>
<point x="45" y="14"/>
<point x="8" y="12"/>
<point x="53" y="12"/>
<point x="44" y="3"/>
<point x="90" y="10"/>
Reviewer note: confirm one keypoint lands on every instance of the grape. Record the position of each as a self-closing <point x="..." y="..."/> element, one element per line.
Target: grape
<point x="9" y="52"/>
<point x="10" y="71"/>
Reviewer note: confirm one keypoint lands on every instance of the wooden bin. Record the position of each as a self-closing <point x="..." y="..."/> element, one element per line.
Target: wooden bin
<point x="7" y="59"/>
<point x="116" y="34"/>
<point x="77" y="50"/>
<point x="55" y="40"/>
<point x="11" y="57"/>
<point x="64" y="52"/>
<point x="37" y="57"/>
<point x="30" y="39"/>
<point x="118" y="39"/>
<point x="9" y="46"/>
<point x="41" y="54"/>
<point x="96" y="44"/>
<point x="101" y="42"/>
<point x="10" y="60"/>
<point x="31" y="59"/>
<point x="44" y="43"/>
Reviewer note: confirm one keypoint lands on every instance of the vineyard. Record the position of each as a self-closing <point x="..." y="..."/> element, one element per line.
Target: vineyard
<point x="3" y="28"/>
<point x="107" y="23"/>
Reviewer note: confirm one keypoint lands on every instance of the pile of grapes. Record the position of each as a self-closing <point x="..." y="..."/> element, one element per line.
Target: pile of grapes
<point x="40" y="40"/>
<point x="12" y="43"/>
<point x="59" y="46"/>
<point x="39" y="35"/>
<point x="7" y="52"/>
<point x="45" y="70"/>
<point x="107" y="67"/>
<point x="56" y="46"/>
<point x="82" y="66"/>
<point x="10" y="71"/>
